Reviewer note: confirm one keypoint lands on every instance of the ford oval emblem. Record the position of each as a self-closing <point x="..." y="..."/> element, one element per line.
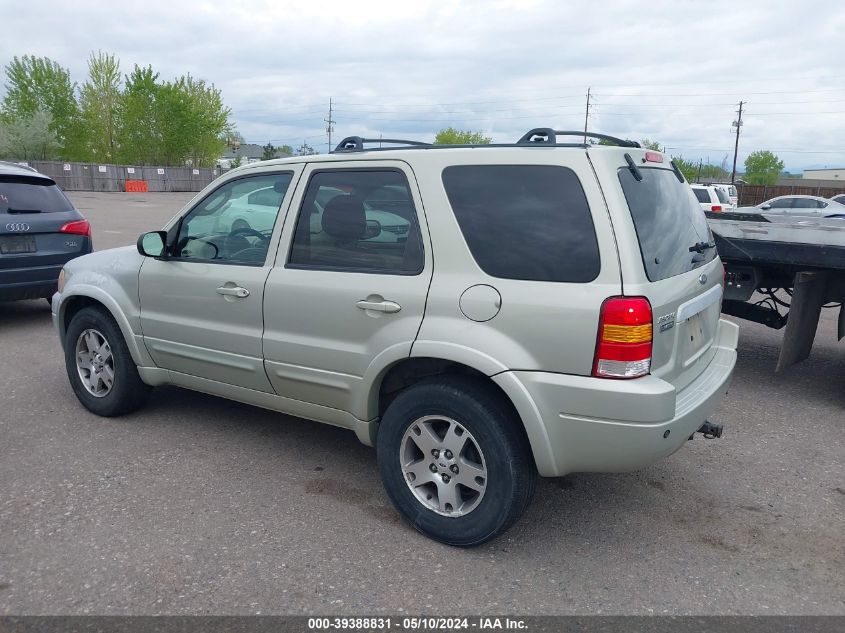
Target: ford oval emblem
<point x="702" y="279"/>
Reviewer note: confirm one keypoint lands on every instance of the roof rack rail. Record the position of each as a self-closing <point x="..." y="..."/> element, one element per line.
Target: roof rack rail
<point x="548" y="136"/>
<point x="356" y="143"/>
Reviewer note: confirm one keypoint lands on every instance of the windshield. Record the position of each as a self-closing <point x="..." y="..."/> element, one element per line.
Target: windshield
<point x="671" y="228"/>
<point x="21" y="194"/>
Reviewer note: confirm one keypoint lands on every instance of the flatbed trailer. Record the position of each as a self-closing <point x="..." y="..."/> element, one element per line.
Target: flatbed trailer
<point x="782" y="272"/>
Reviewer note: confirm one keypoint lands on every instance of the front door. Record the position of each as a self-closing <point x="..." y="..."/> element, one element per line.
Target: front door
<point x="349" y="293"/>
<point x="201" y="307"/>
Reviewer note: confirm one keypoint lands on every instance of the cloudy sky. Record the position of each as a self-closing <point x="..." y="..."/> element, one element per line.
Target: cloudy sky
<point x="669" y="71"/>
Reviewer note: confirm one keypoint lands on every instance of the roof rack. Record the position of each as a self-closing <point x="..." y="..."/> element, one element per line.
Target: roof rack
<point x="356" y="143"/>
<point x="548" y="136"/>
<point x="541" y="136"/>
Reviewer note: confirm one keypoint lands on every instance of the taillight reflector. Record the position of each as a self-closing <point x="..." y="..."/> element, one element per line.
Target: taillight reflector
<point x="653" y="157"/>
<point x="623" y="346"/>
<point x="716" y="207"/>
<point x="78" y="227"/>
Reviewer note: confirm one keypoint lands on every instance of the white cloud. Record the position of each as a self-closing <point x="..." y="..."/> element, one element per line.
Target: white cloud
<point x="670" y="71"/>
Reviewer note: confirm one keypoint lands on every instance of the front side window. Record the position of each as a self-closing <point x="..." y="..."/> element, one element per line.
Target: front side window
<point x="233" y="224"/>
<point x="358" y="220"/>
<point x="782" y="203"/>
<point x="527" y="222"/>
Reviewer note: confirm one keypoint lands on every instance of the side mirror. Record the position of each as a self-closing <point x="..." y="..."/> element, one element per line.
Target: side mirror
<point x="373" y="229"/>
<point x="766" y="207"/>
<point x="152" y="244"/>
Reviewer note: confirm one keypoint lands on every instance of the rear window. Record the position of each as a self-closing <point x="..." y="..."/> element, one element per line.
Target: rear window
<point x="702" y="194"/>
<point x="525" y="221"/>
<point x="668" y="222"/>
<point x="20" y="194"/>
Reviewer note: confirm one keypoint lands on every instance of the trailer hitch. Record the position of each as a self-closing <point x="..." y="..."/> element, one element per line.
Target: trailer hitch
<point x="710" y="431"/>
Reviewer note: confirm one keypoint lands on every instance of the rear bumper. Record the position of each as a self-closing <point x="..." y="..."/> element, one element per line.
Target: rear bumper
<point x="598" y="425"/>
<point x="28" y="283"/>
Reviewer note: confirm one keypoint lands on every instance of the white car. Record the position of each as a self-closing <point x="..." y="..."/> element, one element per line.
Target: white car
<point x="808" y="206"/>
<point x="711" y="198"/>
<point x="730" y="191"/>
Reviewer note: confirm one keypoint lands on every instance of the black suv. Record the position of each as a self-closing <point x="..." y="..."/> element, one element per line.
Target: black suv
<point x="40" y="231"/>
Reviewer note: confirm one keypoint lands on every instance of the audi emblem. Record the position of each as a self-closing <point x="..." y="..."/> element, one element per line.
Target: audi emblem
<point x="17" y="227"/>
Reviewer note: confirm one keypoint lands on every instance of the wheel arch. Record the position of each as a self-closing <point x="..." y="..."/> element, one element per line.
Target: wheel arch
<point x="94" y="297"/>
<point x="408" y="371"/>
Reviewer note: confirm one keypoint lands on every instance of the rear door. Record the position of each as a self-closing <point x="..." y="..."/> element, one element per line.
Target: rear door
<point x="669" y="257"/>
<point x="33" y="212"/>
<point x="349" y="284"/>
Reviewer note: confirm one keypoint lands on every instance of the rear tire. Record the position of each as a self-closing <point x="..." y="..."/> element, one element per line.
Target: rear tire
<point x="455" y="461"/>
<point x="99" y="366"/>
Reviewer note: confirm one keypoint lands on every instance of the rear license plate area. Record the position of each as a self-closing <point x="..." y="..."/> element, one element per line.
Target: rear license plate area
<point x="17" y="244"/>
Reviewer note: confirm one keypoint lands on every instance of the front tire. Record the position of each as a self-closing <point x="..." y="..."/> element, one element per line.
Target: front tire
<point x="455" y="461"/>
<point x="99" y="366"/>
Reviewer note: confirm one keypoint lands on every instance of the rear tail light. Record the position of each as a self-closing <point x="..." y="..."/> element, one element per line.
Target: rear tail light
<point x="653" y="157"/>
<point x="623" y="348"/>
<point x="78" y="227"/>
<point x="716" y="207"/>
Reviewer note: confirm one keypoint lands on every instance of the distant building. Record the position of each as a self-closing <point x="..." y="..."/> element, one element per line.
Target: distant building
<point x="834" y="173"/>
<point x="249" y="153"/>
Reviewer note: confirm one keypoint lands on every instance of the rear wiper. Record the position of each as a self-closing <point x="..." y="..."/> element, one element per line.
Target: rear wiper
<point x="700" y="247"/>
<point x="11" y="210"/>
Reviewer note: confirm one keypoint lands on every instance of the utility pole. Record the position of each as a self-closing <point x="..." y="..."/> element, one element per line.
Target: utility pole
<point x="737" y="124"/>
<point x="586" y="115"/>
<point x="329" y="124"/>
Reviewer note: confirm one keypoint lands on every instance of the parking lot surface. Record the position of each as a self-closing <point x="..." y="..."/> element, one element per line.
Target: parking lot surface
<point x="198" y="505"/>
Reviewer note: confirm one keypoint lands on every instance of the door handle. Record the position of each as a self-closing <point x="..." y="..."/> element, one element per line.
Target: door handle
<point x="379" y="306"/>
<point x="233" y="291"/>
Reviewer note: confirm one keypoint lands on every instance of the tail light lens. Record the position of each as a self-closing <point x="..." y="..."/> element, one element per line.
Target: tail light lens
<point x="623" y="348"/>
<point x="78" y="227"/>
<point x="716" y="207"/>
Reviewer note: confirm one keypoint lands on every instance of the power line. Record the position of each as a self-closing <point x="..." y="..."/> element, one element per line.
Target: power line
<point x="330" y="124"/>
<point x="738" y="125"/>
<point x="586" y="115"/>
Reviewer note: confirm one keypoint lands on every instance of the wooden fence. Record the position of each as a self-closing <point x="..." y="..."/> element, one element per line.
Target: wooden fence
<point x="96" y="177"/>
<point x="750" y="195"/>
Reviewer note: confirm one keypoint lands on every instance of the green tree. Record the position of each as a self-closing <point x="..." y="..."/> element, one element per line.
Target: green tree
<point x="208" y="119"/>
<point x="269" y="152"/>
<point x="452" y="136"/>
<point x="688" y="168"/>
<point x="40" y="84"/>
<point x="284" y="149"/>
<point x="139" y="140"/>
<point x="28" y="137"/>
<point x="649" y="144"/>
<point x="762" y="168"/>
<point x="100" y="107"/>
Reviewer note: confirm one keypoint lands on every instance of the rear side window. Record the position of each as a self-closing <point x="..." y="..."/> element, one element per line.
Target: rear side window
<point x="525" y="221"/>
<point x="20" y="194"/>
<point x="723" y="197"/>
<point x="702" y="194"/>
<point x="668" y="221"/>
<point x="358" y="220"/>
